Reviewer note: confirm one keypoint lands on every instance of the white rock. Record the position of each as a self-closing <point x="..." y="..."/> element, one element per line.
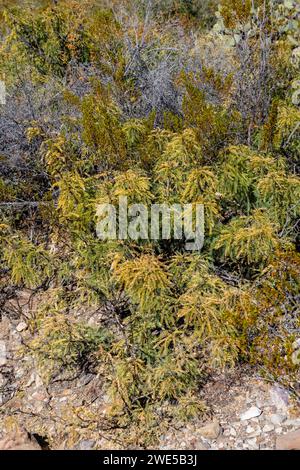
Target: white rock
<point x="229" y="432"/>
<point x="86" y="444"/>
<point x="38" y="381"/>
<point x="21" y="326"/>
<point x="279" y="397"/>
<point x="31" y="380"/>
<point x="252" y="443"/>
<point x="296" y="344"/>
<point x="38" y="407"/>
<point x="277" y="419"/>
<point x="3" y="355"/>
<point x="249" y="429"/>
<point x="253" y="432"/>
<point x="19" y="373"/>
<point x="250" y="413"/>
<point x="268" y="428"/>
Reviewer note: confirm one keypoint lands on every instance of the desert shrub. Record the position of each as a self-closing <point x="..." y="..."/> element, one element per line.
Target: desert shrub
<point x="143" y="121"/>
<point x="62" y="344"/>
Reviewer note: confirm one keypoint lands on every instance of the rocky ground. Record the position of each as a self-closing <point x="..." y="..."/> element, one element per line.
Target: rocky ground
<point x="244" y="411"/>
<point x="247" y="413"/>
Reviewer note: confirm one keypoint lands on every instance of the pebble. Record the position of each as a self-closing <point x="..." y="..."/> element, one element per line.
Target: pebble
<point x="253" y="432"/>
<point x="38" y="406"/>
<point x="279" y="397"/>
<point x="252" y="412"/>
<point x="210" y="430"/>
<point x="3" y="355"/>
<point x="199" y="445"/>
<point x="2" y="380"/>
<point x="19" y="373"/>
<point x="296" y="344"/>
<point x="249" y="429"/>
<point x="268" y="428"/>
<point x="252" y="443"/>
<point x="86" y="444"/>
<point x="277" y="419"/>
<point x="229" y="432"/>
<point x="31" y="380"/>
<point x="39" y="396"/>
<point x="38" y="381"/>
<point x="21" y="326"/>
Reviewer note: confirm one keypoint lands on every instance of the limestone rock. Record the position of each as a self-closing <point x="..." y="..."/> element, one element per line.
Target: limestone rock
<point x="21" y="326"/>
<point x="210" y="430"/>
<point x="279" y="397"/>
<point x="252" y="444"/>
<point x="268" y="428"/>
<point x="253" y="432"/>
<point x="296" y="344"/>
<point x="197" y="444"/>
<point x="86" y="444"/>
<point x="230" y="432"/>
<point x="3" y="356"/>
<point x="252" y="412"/>
<point x="277" y="419"/>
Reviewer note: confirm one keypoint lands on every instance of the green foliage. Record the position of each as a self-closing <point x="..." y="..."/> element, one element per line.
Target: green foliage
<point x="51" y="38"/>
<point x="280" y="193"/>
<point x="249" y="239"/>
<point x="30" y="265"/>
<point x="144" y="279"/>
<point x="62" y="344"/>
